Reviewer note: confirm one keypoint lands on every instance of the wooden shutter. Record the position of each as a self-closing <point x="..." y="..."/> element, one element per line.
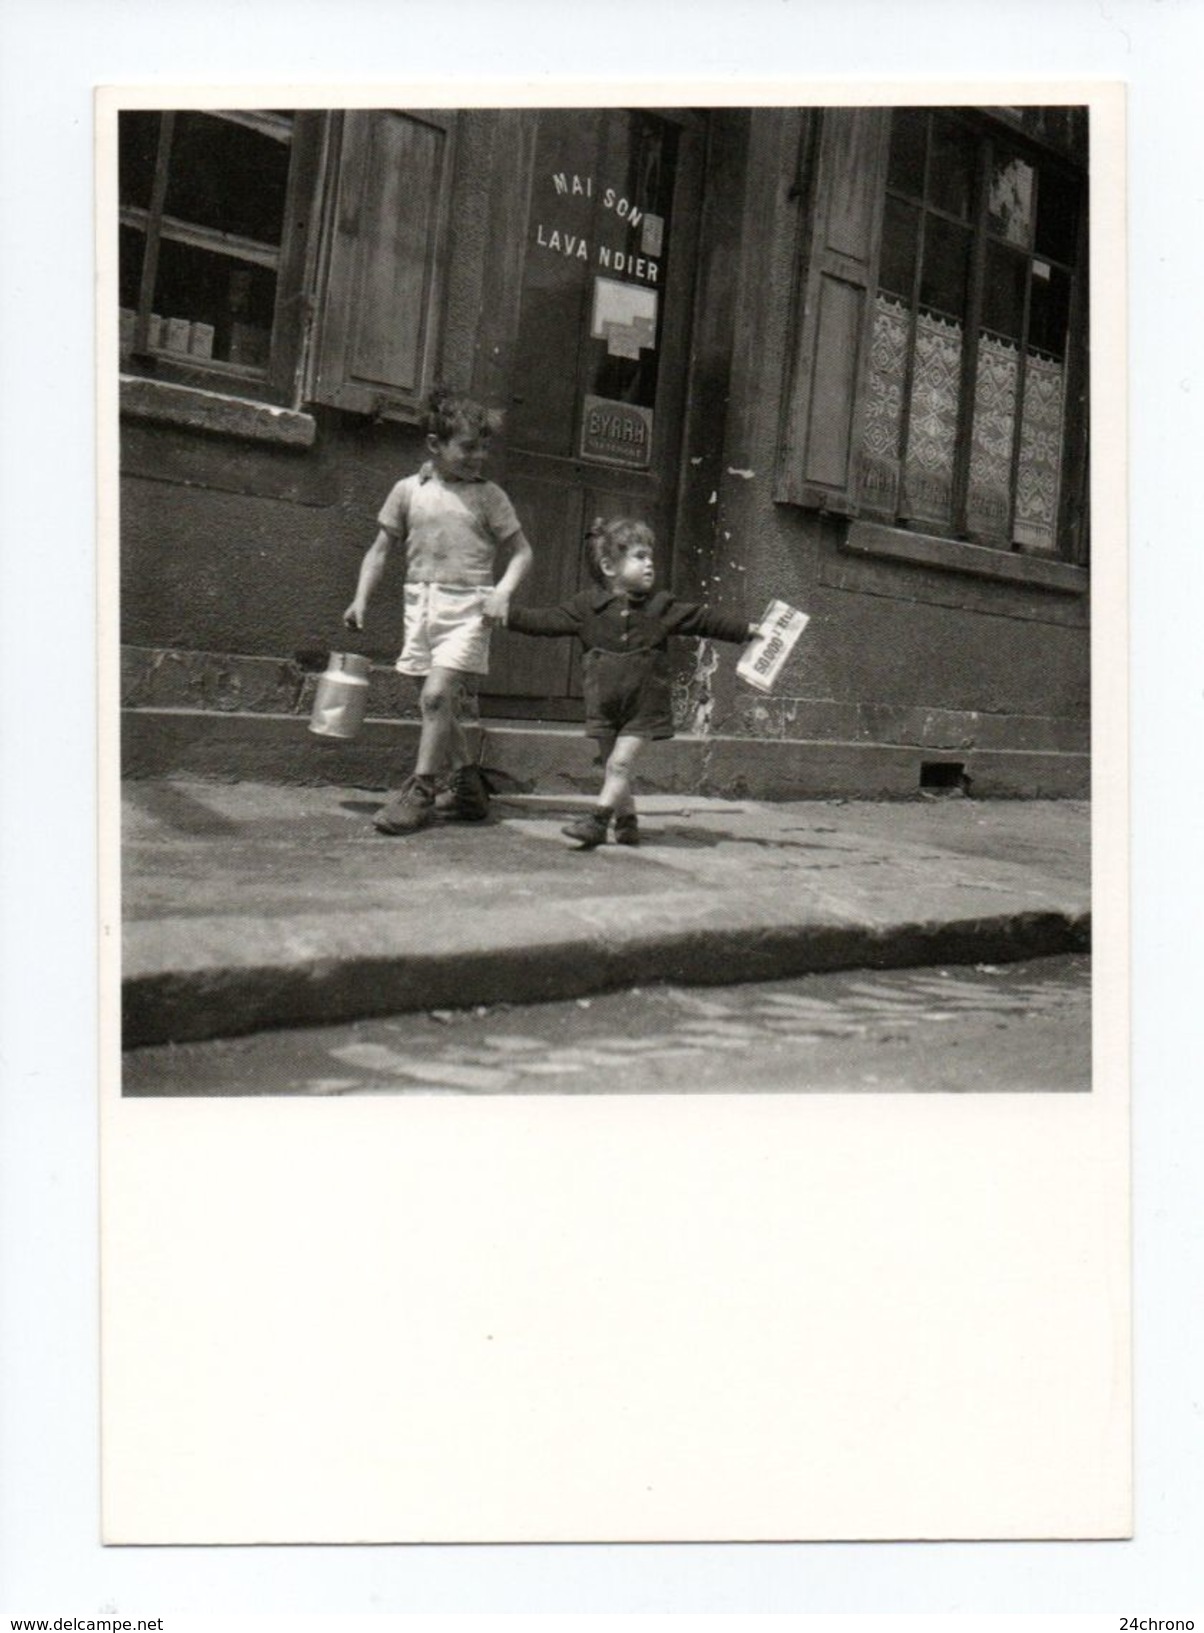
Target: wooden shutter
<point x="834" y="317"/>
<point x="380" y="309"/>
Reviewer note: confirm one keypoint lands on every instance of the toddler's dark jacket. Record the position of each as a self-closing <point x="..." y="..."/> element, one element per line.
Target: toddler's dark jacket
<point x="626" y="675"/>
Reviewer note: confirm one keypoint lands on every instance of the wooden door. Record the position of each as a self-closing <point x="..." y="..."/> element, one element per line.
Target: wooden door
<point x="593" y="370"/>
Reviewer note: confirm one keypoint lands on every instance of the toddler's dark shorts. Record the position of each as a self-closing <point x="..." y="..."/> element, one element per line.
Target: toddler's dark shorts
<point x="629" y="693"/>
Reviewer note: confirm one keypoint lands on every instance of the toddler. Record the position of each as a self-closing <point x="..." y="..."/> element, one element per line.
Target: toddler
<point x="624" y="626"/>
<point x="451" y="522"/>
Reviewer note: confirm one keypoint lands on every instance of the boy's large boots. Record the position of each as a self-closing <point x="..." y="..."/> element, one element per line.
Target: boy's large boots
<point x="413" y="808"/>
<point x="466" y="798"/>
<point x="627" y="829"/>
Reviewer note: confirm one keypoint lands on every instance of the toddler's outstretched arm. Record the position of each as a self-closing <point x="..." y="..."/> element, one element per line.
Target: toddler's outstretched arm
<point x="697" y="619"/>
<point x="563" y="619"/>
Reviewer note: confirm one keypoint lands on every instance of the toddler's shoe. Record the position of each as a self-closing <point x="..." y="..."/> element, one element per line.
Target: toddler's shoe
<point x="413" y="808"/>
<point x="589" y="830"/>
<point x="627" y="829"/>
<point x="466" y="798"/>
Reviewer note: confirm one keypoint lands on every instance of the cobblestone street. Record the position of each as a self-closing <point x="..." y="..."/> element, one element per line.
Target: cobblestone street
<point x="973" y="1029"/>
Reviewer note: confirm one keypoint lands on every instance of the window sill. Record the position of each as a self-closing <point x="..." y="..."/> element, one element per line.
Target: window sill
<point x="168" y="404"/>
<point x="955" y="556"/>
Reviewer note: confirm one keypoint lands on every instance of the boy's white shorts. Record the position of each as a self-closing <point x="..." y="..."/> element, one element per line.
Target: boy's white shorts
<point x="445" y="629"/>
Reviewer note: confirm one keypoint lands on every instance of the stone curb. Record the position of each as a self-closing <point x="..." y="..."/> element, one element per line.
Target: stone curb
<point x="215" y="999"/>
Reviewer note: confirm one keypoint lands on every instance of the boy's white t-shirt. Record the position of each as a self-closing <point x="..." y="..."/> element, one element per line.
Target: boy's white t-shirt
<point x="451" y="530"/>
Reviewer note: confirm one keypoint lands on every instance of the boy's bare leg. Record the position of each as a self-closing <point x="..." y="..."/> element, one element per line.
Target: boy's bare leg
<point x="457" y="739"/>
<point x="443" y="748"/>
<point x="442" y="742"/>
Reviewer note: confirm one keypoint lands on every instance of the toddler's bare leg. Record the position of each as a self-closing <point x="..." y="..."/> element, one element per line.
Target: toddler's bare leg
<point x="590" y="830"/>
<point x="620" y="769"/>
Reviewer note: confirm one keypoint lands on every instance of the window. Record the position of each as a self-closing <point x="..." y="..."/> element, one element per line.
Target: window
<point x="938" y="371"/>
<point x="215" y="210"/>
<point x="286" y="257"/>
<point x="964" y="429"/>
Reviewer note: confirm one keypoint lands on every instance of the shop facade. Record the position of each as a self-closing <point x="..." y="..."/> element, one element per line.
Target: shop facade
<point x="836" y="356"/>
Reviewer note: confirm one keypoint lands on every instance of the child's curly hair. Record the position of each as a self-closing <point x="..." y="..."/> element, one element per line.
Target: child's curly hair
<point x="607" y="542"/>
<point x="448" y="412"/>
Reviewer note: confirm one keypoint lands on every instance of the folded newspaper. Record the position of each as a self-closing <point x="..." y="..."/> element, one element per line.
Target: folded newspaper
<point x="765" y="656"/>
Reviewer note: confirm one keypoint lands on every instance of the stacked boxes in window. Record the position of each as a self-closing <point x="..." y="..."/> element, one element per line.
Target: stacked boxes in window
<point x="200" y="339"/>
<point x="175" y="334"/>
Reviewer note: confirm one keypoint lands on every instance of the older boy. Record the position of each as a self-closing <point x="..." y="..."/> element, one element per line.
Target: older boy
<point x="452" y="522"/>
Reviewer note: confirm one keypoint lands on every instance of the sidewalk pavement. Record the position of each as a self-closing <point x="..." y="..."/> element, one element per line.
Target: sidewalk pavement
<point x="248" y="906"/>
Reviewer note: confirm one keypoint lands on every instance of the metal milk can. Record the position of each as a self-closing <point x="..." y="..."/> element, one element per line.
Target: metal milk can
<point x="341" y="698"/>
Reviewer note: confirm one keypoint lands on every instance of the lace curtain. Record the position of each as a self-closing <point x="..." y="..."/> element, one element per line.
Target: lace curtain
<point x="919" y="483"/>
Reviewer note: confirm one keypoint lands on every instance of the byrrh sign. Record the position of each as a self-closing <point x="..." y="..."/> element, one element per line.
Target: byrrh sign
<point x="620" y="433"/>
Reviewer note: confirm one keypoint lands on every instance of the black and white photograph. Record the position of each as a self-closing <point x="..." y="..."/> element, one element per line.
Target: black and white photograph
<point x="604" y="598"/>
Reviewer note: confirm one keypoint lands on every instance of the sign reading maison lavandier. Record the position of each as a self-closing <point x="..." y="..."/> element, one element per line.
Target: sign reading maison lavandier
<point x="620" y="433"/>
<point x="572" y="243"/>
